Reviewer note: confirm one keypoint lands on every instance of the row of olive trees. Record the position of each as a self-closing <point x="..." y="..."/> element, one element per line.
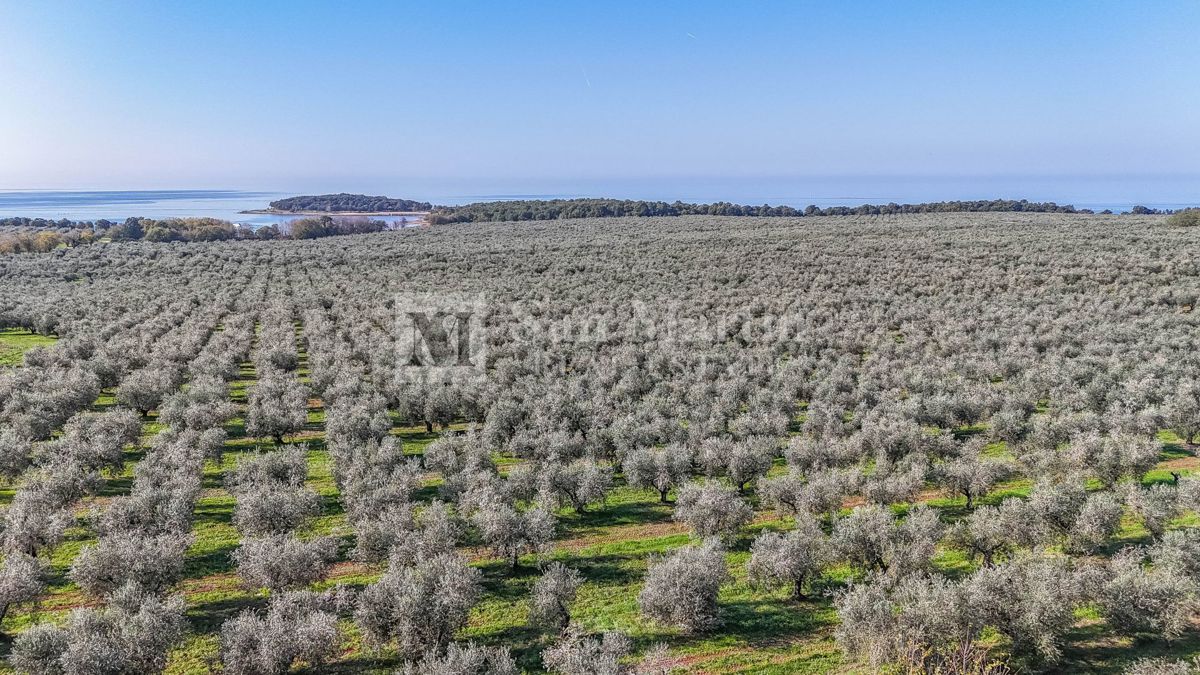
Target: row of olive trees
<point x="143" y="536"/>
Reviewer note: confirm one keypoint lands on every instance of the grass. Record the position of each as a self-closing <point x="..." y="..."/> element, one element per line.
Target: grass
<point x="15" y="342"/>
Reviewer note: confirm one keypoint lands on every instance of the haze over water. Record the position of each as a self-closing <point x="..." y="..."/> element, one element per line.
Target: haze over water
<point x="1118" y="193"/>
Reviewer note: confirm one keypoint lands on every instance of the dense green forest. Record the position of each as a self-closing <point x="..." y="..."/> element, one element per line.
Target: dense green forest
<point x="557" y="209"/>
<point x="343" y="202"/>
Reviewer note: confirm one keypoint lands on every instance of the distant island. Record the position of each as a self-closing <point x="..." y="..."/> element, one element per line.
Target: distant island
<point x="345" y="204"/>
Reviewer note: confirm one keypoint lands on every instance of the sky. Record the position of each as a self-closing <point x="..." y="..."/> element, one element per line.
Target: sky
<point x="536" y="96"/>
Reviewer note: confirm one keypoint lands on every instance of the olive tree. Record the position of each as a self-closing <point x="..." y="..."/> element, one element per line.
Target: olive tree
<point x="511" y="533"/>
<point x="972" y="475"/>
<point x="16" y="454"/>
<point x="35" y="522"/>
<point x="886" y="621"/>
<point x="1098" y="521"/>
<point x="1029" y="599"/>
<point x="896" y="481"/>
<point x="282" y="561"/>
<point x="1156" y="506"/>
<point x="144" y="389"/>
<point x="1183" y="411"/>
<point x="579" y="654"/>
<point x="658" y="468"/>
<point x="469" y="659"/>
<point x="1162" y="666"/>
<point x="552" y="595"/>
<point x="420" y="607"/>
<point x="274" y="509"/>
<point x="873" y="539"/>
<point x="1112" y="457"/>
<point x="150" y="564"/>
<point x="132" y="634"/>
<point x="579" y="483"/>
<point x="1160" y="600"/>
<point x="749" y="459"/>
<point x="278" y="405"/>
<point x="298" y="626"/>
<point x="22" y="579"/>
<point x="791" y="558"/>
<point x="821" y="493"/>
<point x="1178" y="550"/>
<point x="403" y="537"/>
<point x="711" y="509"/>
<point x="991" y="532"/>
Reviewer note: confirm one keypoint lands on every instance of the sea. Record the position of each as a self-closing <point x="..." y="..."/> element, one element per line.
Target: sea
<point x="117" y="205"/>
<point x="1115" y="193"/>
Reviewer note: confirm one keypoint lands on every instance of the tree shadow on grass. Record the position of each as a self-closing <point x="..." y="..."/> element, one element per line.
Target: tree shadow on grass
<point x="114" y="487"/>
<point x="608" y="570"/>
<point x="221" y="512"/>
<point x="207" y="617"/>
<point x="629" y="513"/>
<point x="215" y="561"/>
<point x="6" y="645"/>
<point x="235" y="429"/>
<point x="1102" y="652"/>
<point x="526" y="643"/>
<point x="363" y="662"/>
<point x="759" y="623"/>
<point x="427" y="493"/>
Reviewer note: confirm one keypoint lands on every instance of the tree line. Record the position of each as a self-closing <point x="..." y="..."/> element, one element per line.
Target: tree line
<point x="558" y="209"/>
<point x="33" y="238"/>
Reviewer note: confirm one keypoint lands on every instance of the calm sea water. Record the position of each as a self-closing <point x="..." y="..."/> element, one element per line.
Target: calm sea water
<point x="118" y="205"/>
<point x="1097" y="193"/>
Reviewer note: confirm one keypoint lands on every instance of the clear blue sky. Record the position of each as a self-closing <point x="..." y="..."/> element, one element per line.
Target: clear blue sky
<point x="367" y="95"/>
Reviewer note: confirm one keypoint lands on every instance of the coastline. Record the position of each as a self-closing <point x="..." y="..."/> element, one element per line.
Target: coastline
<point x="277" y="212"/>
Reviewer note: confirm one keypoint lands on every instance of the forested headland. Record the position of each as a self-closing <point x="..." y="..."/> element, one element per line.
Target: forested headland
<point x="558" y="209"/>
<point x="348" y="203"/>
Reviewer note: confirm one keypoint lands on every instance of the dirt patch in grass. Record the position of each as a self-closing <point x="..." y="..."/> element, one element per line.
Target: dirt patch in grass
<point x="1183" y="463"/>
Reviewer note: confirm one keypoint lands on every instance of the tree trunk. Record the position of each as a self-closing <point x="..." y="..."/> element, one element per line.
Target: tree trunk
<point x="662" y="496"/>
<point x="278" y="439"/>
<point x="428" y="427"/>
<point x="563" y="624"/>
<point x="798" y="589"/>
<point x="970" y="500"/>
